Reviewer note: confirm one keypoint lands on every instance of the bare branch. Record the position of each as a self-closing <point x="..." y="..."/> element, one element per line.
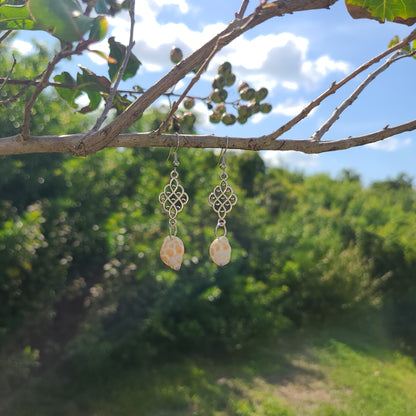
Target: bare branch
<point x="26" y="86"/>
<point x="242" y="10"/>
<point x="67" y="143"/>
<point x="5" y="34"/>
<point x="265" y="140"/>
<point x="39" y="88"/>
<point x="122" y="70"/>
<point x="103" y="137"/>
<point x="62" y="54"/>
<point x="9" y="74"/>
<point x="338" y="111"/>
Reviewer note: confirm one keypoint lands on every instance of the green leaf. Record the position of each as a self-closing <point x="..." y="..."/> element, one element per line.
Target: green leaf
<point x="94" y="85"/>
<point x="68" y="94"/>
<point x="394" y="41"/>
<point x="99" y="29"/>
<point x="120" y="103"/>
<point x="61" y="18"/>
<point x="88" y="81"/>
<point x="117" y="51"/>
<point x="399" y="11"/>
<point x="95" y="100"/>
<point x="15" y="17"/>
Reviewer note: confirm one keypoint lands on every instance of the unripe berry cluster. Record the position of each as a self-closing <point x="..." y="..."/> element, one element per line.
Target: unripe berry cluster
<point x="226" y="78"/>
<point x="248" y="103"/>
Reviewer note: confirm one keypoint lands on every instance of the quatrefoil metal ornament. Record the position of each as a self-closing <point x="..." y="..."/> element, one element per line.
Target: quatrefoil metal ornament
<point x="173" y="198"/>
<point x="222" y="200"/>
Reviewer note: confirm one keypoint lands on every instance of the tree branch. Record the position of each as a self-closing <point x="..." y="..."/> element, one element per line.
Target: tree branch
<point x="67" y="143"/>
<point x="242" y="10"/>
<point x="338" y="111"/>
<point x="122" y="70"/>
<point x="103" y="137"/>
<point x="335" y="86"/>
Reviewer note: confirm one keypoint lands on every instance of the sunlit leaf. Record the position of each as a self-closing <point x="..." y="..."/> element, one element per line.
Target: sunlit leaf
<point x="117" y="51"/>
<point x="63" y="19"/>
<point x="120" y="103"/>
<point x="15" y="17"/>
<point x="68" y="94"/>
<point x="103" y="55"/>
<point x="88" y="81"/>
<point x="403" y="11"/>
<point x="99" y="29"/>
<point x="95" y="100"/>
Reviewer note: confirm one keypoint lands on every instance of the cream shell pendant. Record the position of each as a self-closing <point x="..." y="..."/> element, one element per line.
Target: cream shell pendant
<point x="220" y="251"/>
<point x="172" y="252"/>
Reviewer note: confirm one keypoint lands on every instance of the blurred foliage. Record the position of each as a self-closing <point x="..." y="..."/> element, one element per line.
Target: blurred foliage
<point x="81" y="280"/>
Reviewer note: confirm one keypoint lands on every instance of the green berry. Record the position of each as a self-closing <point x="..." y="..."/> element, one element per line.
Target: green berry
<point x="230" y="79"/>
<point x="242" y="86"/>
<point x="228" y="119"/>
<point x="247" y="94"/>
<point x="223" y="95"/>
<point x="224" y="69"/>
<point x="243" y="110"/>
<point x="241" y="119"/>
<point x="261" y="94"/>
<point x="189" y="119"/>
<point x="254" y="107"/>
<point x="215" y="96"/>
<point x="218" y="83"/>
<point x="176" y="55"/>
<point x="265" y="108"/>
<point x="215" y="118"/>
<point x="220" y="108"/>
<point x="189" y="102"/>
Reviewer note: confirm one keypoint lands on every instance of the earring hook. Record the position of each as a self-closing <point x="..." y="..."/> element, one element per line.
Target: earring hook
<point x="221" y="159"/>
<point x="175" y="152"/>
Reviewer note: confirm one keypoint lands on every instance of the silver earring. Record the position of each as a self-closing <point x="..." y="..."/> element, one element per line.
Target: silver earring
<point x="173" y="198"/>
<point x="222" y="199"/>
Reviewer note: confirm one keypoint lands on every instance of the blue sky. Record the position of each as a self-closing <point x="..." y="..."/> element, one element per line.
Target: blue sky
<point x="297" y="57"/>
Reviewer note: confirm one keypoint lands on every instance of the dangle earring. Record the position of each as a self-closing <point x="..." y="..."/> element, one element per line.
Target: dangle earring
<point x="222" y="199"/>
<point x="173" y="198"/>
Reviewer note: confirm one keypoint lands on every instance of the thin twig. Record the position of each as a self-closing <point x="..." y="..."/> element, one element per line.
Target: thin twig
<point x="195" y="79"/>
<point x="39" y="88"/>
<point x="332" y="89"/>
<point x="62" y="54"/>
<point x="26" y="86"/>
<point x="242" y="10"/>
<point x="122" y="70"/>
<point x="4" y="35"/>
<point x="349" y="101"/>
<point x="9" y="74"/>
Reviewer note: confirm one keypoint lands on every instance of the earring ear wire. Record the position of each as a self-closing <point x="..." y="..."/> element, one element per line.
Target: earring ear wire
<point x="222" y="199"/>
<point x="173" y="198"/>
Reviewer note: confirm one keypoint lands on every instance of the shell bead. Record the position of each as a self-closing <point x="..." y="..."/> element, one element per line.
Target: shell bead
<point x="220" y="251"/>
<point x="172" y="252"/>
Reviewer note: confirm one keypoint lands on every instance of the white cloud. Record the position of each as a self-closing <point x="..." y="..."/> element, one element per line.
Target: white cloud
<point x="182" y="4"/>
<point x="278" y="59"/>
<point x="290" y="160"/>
<point x="265" y="60"/>
<point x="22" y="46"/>
<point x="392" y="144"/>
<point x="289" y="108"/>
